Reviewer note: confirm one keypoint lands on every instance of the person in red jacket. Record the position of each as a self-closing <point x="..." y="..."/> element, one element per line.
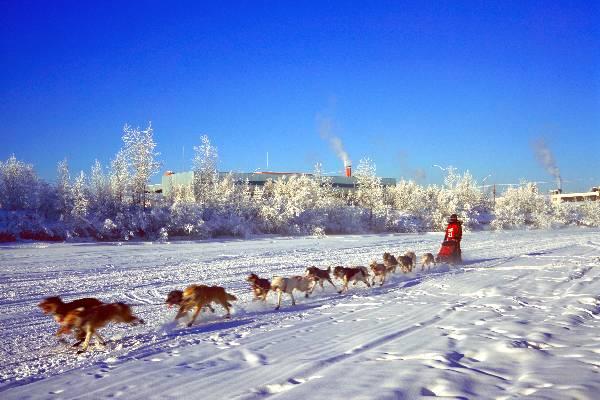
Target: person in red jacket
<point x="454" y="233"/>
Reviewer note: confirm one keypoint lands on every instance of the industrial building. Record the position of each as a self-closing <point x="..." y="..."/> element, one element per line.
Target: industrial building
<point x="557" y="196"/>
<point x="348" y="182"/>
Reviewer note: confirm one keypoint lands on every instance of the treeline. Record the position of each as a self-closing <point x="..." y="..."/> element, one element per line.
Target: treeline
<point x="113" y="203"/>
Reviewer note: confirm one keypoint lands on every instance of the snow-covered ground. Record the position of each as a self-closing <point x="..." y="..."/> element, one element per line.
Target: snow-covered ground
<point x="521" y="317"/>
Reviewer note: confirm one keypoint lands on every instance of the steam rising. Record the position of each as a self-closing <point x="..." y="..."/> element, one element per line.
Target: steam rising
<point x="546" y="158"/>
<point x="420" y="174"/>
<point x="326" y="133"/>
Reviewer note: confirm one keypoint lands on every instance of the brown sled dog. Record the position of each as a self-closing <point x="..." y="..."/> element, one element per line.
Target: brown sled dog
<point x="413" y="259"/>
<point x="198" y="297"/>
<point x="260" y="287"/>
<point x="406" y="263"/>
<point x="390" y="262"/>
<point x="348" y="274"/>
<point x="91" y="319"/>
<point x="379" y="271"/>
<point x="319" y="276"/>
<point x="59" y="310"/>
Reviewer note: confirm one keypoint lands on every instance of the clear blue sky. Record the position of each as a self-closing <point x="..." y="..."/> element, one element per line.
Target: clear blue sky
<point x="408" y="84"/>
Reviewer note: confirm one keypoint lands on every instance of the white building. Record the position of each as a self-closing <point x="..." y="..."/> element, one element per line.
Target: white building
<point x="557" y="196"/>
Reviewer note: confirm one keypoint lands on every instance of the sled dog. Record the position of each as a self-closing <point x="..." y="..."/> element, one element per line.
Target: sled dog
<point x="260" y="287"/>
<point x="175" y="296"/>
<point x="413" y="258"/>
<point x="426" y="260"/>
<point x="390" y="262"/>
<point x="405" y="263"/>
<point x="199" y="297"/>
<point x="59" y="309"/>
<point x="319" y="276"/>
<point x="91" y="319"/>
<point x="351" y="274"/>
<point x="379" y="271"/>
<point x="282" y="285"/>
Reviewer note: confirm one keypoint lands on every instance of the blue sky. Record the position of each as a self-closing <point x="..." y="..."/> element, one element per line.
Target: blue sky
<point x="408" y="84"/>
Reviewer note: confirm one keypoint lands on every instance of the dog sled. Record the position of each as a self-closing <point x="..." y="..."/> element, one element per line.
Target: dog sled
<point x="449" y="253"/>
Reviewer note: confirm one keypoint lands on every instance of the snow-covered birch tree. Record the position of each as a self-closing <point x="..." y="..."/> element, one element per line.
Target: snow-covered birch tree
<point x="80" y="200"/>
<point x="369" y="192"/>
<point x="63" y="189"/>
<point x="119" y="176"/>
<point x="139" y="148"/>
<point x="521" y="207"/>
<point x="205" y="169"/>
<point x="18" y="185"/>
<point x="99" y="189"/>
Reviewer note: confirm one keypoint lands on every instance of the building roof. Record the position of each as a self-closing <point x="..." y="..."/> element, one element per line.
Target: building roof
<point x="260" y="178"/>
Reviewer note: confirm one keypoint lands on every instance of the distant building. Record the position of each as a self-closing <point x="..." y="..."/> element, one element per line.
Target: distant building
<point x="154" y="188"/>
<point x="255" y="179"/>
<point x="557" y="196"/>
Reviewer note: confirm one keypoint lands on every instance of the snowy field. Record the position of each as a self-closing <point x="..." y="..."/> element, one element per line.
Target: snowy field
<point x="521" y="317"/>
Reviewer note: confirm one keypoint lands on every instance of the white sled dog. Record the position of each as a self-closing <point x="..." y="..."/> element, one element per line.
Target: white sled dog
<point x="282" y="285"/>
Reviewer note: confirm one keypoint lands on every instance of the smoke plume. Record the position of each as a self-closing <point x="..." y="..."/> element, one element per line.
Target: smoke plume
<point x="546" y="159"/>
<point x="326" y="133"/>
<point x="420" y="175"/>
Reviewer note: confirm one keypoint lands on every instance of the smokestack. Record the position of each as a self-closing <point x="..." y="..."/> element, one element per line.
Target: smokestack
<point x="326" y="132"/>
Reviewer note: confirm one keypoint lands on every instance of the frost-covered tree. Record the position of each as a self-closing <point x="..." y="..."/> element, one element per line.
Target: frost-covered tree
<point x="369" y="192"/>
<point x="285" y="201"/>
<point x="183" y="194"/>
<point x="186" y="214"/>
<point x="80" y="200"/>
<point x="18" y="185"/>
<point x="63" y="189"/>
<point x="47" y="201"/>
<point x="420" y="202"/>
<point x="99" y="190"/>
<point x="230" y="211"/>
<point x="119" y="176"/>
<point x="522" y="207"/>
<point x="205" y="169"/>
<point x="590" y="213"/>
<point x="141" y="156"/>
<point x="461" y="195"/>
<point x="566" y="213"/>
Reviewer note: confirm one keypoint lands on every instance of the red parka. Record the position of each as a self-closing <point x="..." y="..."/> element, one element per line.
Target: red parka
<point x="454" y="231"/>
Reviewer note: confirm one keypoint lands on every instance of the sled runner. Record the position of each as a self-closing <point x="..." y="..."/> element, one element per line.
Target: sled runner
<point x="449" y="253"/>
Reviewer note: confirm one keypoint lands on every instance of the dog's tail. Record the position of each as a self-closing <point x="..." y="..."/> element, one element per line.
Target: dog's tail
<point x="329" y="270"/>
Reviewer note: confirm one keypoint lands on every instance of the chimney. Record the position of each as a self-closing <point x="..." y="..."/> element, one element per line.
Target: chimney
<point x="348" y="171"/>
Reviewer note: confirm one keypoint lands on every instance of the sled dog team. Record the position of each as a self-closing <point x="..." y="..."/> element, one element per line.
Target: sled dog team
<point x="83" y="317"/>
